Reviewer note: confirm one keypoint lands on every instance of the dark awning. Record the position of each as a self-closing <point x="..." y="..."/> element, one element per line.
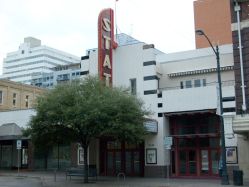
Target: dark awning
<point x="201" y="135"/>
<point x="11" y="131"/>
<point x="193" y="112"/>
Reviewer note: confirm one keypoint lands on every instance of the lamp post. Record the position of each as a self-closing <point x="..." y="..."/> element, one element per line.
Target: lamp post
<point x="224" y="177"/>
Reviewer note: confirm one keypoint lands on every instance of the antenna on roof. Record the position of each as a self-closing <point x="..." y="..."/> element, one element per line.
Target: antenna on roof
<point x="131" y="30"/>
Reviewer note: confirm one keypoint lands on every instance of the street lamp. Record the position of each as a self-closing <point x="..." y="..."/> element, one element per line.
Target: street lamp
<point x="224" y="177"/>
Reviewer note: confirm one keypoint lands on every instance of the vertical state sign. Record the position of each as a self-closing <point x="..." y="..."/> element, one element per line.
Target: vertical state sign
<point x="105" y="45"/>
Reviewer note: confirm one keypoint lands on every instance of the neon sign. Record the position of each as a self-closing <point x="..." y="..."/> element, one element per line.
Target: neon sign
<point x="105" y="45"/>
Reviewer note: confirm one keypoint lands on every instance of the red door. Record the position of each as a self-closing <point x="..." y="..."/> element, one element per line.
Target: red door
<point x="187" y="162"/>
<point x="209" y="162"/>
<point x="121" y="157"/>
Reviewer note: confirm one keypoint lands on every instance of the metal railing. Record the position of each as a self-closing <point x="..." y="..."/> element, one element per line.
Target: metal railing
<point x="224" y="84"/>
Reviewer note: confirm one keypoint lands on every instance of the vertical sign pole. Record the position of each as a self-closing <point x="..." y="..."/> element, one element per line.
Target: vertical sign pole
<point x="168" y="165"/>
<point x="18" y="147"/>
<point x="168" y="141"/>
<point x="18" y="160"/>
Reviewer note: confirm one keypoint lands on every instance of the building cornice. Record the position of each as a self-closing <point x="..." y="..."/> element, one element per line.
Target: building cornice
<point x="241" y="124"/>
<point x="200" y="71"/>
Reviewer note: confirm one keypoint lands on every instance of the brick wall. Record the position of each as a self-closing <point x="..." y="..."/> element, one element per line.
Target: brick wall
<point x="245" y="54"/>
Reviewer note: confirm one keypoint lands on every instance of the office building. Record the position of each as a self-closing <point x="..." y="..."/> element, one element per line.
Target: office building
<point x="33" y="58"/>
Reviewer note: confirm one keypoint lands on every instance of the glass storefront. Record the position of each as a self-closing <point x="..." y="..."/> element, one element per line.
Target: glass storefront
<point x="6" y="155"/>
<point x="196" y="149"/>
<point x="121" y="157"/>
<point x="9" y="154"/>
<point x="58" y="157"/>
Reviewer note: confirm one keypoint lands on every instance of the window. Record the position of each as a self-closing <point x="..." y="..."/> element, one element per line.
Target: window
<point x="181" y="85"/>
<point x="188" y="84"/>
<point x="14" y="99"/>
<point x="204" y="82"/>
<point x="24" y="156"/>
<point x="27" y="101"/>
<point x="22" y="51"/>
<point x="1" y="97"/>
<point x="197" y="83"/>
<point x="160" y="95"/>
<point x="133" y="86"/>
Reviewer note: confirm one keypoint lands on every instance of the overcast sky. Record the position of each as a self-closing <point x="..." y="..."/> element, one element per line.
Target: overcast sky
<point x="71" y="25"/>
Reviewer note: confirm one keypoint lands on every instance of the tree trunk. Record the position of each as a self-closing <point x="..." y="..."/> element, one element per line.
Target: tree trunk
<point x="85" y="163"/>
<point x="58" y="156"/>
<point x="46" y="160"/>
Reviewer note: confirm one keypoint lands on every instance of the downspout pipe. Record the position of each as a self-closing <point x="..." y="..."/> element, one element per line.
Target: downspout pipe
<point x="237" y="9"/>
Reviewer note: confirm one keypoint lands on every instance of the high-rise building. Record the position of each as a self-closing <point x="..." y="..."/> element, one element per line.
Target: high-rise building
<point x="213" y="17"/>
<point x="33" y="58"/>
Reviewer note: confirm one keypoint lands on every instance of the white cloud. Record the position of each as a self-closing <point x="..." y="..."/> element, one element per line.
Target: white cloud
<point x="71" y="25"/>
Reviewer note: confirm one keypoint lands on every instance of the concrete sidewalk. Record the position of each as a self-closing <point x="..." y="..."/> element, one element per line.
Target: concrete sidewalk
<point x="48" y="179"/>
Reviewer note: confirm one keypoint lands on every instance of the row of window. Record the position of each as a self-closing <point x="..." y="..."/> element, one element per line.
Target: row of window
<point x="37" y="56"/>
<point x="29" y="63"/>
<point x="49" y="78"/>
<point x="193" y="83"/>
<point x="76" y="74"/>
<point x="28" y="69"/>
<point x="14" y="99"/>
<point x="183" y="84"/>
<point x="44" y="85"/>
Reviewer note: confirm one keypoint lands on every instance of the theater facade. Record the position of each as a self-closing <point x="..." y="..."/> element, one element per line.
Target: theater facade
<point x="180" y="89"/>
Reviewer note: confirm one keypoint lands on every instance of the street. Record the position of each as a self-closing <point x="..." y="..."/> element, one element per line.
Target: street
<point x="10" y="181"/>
<point x="47" y="179"/>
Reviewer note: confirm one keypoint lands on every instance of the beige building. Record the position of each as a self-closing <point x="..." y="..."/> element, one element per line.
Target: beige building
<point x="16" y="96"/>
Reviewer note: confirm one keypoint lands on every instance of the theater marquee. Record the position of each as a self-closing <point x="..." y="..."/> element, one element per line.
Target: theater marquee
<point x="105" y="45"/>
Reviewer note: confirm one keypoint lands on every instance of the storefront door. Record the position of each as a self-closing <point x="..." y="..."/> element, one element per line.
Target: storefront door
<point x="187" y="162"/>
<point x="209" y="162"/>
<point x="6" y="156"/>
<point x="132" y="163"/>
<point x="121" y="157"/>
<point x="113" y="162"/>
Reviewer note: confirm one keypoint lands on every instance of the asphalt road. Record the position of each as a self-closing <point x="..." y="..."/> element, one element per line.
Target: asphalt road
<point x="19" y="182"/>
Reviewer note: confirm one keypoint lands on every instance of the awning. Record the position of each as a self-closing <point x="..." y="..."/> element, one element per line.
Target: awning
<point x="194" y="112"/>
<point x="201" y="135"/>
<point x="11" y="131"/>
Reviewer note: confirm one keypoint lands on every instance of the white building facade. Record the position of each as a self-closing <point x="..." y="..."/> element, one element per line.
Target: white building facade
<point x="33" y="58"/>
<point x="181" y="90"/>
